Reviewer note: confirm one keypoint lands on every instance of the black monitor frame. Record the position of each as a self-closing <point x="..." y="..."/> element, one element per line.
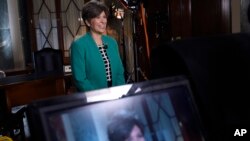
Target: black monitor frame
<point x="39" y="110"/>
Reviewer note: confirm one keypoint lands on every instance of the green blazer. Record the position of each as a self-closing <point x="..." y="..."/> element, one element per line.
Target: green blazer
<point x="87" y="65"/>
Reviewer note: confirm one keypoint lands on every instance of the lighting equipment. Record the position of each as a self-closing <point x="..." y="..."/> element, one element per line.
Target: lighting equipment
<point x="130" y="4"/>
<point x="119" y="13"/>
<point x="133" y="6"/>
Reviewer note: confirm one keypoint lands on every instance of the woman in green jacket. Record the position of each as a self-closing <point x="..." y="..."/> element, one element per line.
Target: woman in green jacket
<point x="95" y="59"/>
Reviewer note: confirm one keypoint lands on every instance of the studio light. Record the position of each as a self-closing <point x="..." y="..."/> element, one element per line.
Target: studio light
<point x="131" y="4"/>
<point x="119" y="13"/>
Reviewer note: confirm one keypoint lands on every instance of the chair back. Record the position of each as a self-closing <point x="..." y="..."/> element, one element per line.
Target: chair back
<point x="48" y="60"/>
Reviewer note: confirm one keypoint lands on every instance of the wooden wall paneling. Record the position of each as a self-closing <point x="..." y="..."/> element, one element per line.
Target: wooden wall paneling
<point x="157" y="21"/>
<point x="202" y="22"/>
<point x="31" y="25"/>
<point x="226" y="16"/>
<point x="186" y="24"/>
<point x="175" y="18"/>
<point x="180" y="17"/>
<point x="210" y="17"/>
<point x="60" y="29"/>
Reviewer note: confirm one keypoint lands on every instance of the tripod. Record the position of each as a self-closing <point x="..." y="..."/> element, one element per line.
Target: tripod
<point x="137" y="69"/>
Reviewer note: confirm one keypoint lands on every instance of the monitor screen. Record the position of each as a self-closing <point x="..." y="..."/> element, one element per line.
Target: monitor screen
<point x="152" y="111"/>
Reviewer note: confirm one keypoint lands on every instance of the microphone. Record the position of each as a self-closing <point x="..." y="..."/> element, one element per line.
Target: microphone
<point x="105" y="46"/>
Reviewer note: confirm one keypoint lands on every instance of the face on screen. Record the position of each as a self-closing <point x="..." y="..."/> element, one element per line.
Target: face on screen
<point x="136" y="134"/>
<point x="159" y="116"/>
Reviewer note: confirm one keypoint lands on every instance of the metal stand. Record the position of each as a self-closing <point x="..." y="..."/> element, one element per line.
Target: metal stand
<point x="137" y="69"/>
<point x="124" y="49"/>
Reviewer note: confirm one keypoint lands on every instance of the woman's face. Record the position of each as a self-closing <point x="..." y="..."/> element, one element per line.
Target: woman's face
<point x="135" y="135"/>
<point x="98" y="24"/>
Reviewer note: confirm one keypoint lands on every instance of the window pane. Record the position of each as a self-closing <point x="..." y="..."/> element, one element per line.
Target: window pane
<point x="46" y="24"/>
<point x="71" y="20"/>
